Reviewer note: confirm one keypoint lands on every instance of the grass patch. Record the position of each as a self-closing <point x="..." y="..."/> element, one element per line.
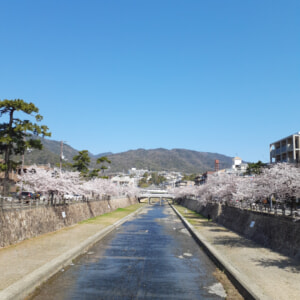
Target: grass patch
<point x="231" y="291"/>
<point x="184" y="211"/>
<point x="193" y="217"/>
<point x="112" y="217"/>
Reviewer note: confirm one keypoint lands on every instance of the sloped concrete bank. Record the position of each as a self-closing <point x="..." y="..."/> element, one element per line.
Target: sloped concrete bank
<point x="276" y="232"/>
<point x="19" y="224"/>
<point x="37" y="264"/>
<point x="242" y="286"/>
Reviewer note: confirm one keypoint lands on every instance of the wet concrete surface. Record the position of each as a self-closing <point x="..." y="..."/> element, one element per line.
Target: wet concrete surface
<point x="150" y="257"/>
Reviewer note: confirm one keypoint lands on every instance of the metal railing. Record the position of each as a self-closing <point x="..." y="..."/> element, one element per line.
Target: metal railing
<point x="277" y="209"/>
<point x="51" y="200"/>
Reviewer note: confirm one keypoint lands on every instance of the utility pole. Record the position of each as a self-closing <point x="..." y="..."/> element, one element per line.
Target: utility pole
<point x="22" y="168"/>
<point x="22" y="172"/>
<point x="61" y="155"/>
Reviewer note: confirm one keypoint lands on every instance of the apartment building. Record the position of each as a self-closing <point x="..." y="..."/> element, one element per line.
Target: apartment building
<point x="286" y="150"/>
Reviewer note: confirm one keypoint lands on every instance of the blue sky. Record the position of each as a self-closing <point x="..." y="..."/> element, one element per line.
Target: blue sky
<point x="215" y="76"/>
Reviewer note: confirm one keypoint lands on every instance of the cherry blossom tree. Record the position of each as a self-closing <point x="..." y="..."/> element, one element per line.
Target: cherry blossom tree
<point x="49" y="181"/>
<point x="281" y="181"/>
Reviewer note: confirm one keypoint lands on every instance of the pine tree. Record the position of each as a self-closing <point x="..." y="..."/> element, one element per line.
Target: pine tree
<point x="81" y="162"/>
<point x="16" y="135"/>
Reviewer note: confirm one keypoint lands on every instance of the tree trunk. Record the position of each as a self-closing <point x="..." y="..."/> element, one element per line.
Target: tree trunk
<point x="7" y="155"/>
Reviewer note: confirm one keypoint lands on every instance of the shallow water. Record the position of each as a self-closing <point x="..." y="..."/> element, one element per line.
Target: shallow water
<point x="150" y="257"/>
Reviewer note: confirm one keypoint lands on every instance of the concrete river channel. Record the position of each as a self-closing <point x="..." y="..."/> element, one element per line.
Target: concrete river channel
<point x="150" y="257"/>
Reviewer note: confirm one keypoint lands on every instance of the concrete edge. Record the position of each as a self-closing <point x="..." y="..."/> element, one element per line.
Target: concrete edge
<point x="238" y="280"/>
<point x="25" y="286"/>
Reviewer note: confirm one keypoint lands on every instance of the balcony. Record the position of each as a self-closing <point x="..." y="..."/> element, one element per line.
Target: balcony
<point x="272" y="153"/>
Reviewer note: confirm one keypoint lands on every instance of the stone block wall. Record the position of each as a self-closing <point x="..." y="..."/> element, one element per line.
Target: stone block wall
<point x="279" y="233"/>
<point x="19" y="224"/>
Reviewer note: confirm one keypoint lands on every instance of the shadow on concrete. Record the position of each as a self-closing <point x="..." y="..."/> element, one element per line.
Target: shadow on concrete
<point x="288" y="264"/>
<point x="210" y="224"/>
<point x="235" y="242"/>
<point x="193" y="216"/>
<point x="218" y="230"/>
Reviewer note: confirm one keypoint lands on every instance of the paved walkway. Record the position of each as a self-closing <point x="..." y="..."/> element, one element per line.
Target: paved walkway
<point x="28" y="262"/>
<point x="269" y="275"/>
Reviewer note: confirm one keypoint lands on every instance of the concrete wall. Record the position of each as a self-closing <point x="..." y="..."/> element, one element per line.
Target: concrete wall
<point x="19" y="224"/>
<point x="276" y="232"/>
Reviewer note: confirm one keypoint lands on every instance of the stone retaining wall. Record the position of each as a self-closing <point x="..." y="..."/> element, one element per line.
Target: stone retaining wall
<point x="19" y="224"/>
<point x="279" y="233"/>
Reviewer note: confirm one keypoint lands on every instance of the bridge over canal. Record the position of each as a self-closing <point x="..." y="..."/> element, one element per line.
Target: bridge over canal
<point x="161" y="194"/>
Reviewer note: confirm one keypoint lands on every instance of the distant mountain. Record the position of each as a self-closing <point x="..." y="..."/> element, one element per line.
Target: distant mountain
<point x="103" y="154"/>
<point x="51" y="153"/>
<point x="181" y="160"/>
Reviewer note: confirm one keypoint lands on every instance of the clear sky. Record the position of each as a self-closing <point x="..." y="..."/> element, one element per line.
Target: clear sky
<point x="216" y="76"/>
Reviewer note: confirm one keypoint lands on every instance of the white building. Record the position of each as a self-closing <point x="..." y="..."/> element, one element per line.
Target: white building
<point x="124" y="180"/>
<point x="238" y="168"/>
<point x="286" y="149"/>
<point x="238" y="164"/>
<point x="137" y="172"/>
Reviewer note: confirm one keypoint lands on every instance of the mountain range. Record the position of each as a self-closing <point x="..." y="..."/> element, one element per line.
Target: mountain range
<point x="181" y="160"/>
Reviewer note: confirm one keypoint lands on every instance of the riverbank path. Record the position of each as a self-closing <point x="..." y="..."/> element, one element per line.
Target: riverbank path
<point x="268" y="274"/>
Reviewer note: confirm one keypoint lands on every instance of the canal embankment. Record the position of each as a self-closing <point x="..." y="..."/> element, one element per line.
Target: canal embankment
<point x="23" y="223"/>
<point x="149" y="257"/>
<point x="258" y="272"/>
<point x="279" y="233"/>
<point x="26" y="265"/>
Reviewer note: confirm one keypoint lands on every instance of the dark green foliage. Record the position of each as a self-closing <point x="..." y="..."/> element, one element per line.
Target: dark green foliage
<point x="102" y="160"/>
<point x="255" y="168"/>
<point x="16" y="134"/>
<point x="81" y="162"/>
<point x="94" y="173"/>
<point x="155" y="179"/>
<point x="190" y="177"/>
<point x="143" y="183"/>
